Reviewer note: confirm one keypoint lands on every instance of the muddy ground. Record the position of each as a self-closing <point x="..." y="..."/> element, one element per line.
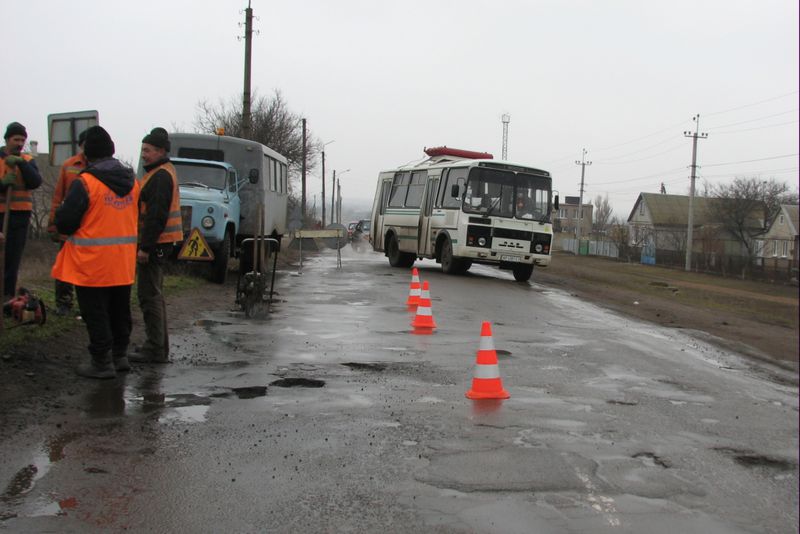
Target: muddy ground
<point x="758" y="320"/>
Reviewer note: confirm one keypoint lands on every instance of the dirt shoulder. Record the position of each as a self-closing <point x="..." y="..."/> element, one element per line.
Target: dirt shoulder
<point x="757" y="319"/>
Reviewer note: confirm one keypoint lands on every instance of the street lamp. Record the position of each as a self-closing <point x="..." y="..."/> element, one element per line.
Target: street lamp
<point x="323" y="182"/>
<point x="333" y="195"/>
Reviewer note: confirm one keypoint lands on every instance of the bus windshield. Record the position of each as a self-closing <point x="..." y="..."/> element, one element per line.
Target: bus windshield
<point x="194" y="174"/>
<point x="508" y="194"/>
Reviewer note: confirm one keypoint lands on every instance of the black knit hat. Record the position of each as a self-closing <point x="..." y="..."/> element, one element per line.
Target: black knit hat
<point x="158" y="137"/>
<point x="98" y="143"/>
<point x="82" y="137"/>
<point x="15" y="128"/>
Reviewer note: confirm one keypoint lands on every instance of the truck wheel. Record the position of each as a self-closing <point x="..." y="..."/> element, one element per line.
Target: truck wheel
<point x="397" y="258"/>
<point x="522" y="273"/>
<point x="451" y="265"/>
<point x="219" y="267"/>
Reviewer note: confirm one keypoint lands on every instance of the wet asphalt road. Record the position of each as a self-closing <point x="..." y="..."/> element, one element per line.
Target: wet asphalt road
<point x="612" y="426"/>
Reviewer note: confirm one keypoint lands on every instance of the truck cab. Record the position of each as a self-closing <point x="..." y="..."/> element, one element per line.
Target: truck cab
<point x="210" y="202"/>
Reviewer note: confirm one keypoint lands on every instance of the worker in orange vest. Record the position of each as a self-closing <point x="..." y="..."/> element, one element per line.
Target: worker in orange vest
<point x="18" y="176"/>
<point x="159" y="229"/>
<point x="70" y="170"/>
<point x="100" y="215"/>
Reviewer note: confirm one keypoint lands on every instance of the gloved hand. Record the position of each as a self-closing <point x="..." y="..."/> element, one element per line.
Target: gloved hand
<point x="9" y="180"/>
<point x="55" y="237"/>
<point x="12" y="161"/>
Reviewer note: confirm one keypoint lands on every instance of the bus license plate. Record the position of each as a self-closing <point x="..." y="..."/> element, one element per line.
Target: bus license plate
<point x="510" y="258"/>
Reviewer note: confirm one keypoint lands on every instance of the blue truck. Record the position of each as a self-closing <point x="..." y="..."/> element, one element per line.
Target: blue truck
<point x="222" y="182"/>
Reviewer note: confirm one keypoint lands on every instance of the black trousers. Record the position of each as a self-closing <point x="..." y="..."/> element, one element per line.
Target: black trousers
<point x="15" y="245"/>
<point x="107" y="314"/>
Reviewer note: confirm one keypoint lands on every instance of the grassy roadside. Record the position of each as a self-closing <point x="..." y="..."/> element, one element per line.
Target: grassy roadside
<point x="35" y="276"/>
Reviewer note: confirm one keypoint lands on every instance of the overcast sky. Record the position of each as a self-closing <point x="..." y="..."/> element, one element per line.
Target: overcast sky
<point x="382" y="80"/>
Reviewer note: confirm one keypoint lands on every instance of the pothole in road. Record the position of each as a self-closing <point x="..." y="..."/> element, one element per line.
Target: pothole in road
<point x="752" y="459"/>
<point x="358" y="366"/>
<point x="250" y="392"/>
<point x="652" y="459"/>
<point x="298" y="383"/>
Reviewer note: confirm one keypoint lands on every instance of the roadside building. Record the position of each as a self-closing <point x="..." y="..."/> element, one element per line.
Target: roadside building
<point x="658" y="225"/>
<point x="570" y="216"/>
<point x="778" y="249"/>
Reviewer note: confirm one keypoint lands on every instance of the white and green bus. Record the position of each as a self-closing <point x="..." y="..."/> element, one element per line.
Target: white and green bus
<point x="461" y="207"/>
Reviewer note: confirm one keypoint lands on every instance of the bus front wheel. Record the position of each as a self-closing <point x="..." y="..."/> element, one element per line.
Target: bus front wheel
<point x="451" y="265"/>
<point x="397" y="258"/>
<point x="522" y="273"/>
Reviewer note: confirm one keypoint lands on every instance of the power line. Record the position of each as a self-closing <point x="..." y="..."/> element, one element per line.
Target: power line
<point x="749" y="160"/>
<point x="676" y="147"/>
<point x="755" y="120"/>
<point x="753" y="104"/>
<point x="757" y="128"/>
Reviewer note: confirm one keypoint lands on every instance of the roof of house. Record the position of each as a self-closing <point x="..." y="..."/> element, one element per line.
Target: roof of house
<point x="791" y="211"/>
<point x="670" y="210"/>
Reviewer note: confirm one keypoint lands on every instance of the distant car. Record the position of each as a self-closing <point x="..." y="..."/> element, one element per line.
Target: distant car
<point x="360" y="238"/>
<point x="350" y="227"/>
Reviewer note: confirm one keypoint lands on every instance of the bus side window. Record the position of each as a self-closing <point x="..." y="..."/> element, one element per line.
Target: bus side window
<point x="455" y="177"/>
<point x="386" y="188"/>
<point x="442" y="192"/>
<point x="397" y="198"/>
<point x="416" y="189"/>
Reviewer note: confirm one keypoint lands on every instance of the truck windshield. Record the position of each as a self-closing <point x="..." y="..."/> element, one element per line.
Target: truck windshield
<point x="503" y="193"/>
<point x="198" y="174"/>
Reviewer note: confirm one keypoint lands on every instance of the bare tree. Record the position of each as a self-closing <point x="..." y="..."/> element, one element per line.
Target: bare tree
<point x="619" y="232"/>
<point x="272" y="124"/>
<point x="747" y="207"/>
<point x="602" y="214"/>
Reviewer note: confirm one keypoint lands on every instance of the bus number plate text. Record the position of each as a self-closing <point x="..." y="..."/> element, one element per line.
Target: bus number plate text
<point x="510" y="258"/>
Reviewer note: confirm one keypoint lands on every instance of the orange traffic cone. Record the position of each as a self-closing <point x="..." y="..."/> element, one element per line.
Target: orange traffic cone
<point x="423" y="322"/>
<point x="414" y="290"/>
<point x="486" y="382"/>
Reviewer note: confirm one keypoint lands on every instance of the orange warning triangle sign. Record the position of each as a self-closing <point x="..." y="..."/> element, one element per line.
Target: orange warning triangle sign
<point x="196" y="248"/>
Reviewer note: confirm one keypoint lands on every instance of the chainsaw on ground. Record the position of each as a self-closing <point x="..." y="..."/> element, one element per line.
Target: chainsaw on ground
<point x="25" y="308"/>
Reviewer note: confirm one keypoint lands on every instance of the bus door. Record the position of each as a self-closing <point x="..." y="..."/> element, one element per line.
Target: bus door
<point x="423" y="243"/>
<point x="377" y="224"/>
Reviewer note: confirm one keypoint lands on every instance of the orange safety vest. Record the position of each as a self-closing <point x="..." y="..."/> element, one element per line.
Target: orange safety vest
<point x="70" y="170"/>
<point x="102" y="253"/>
<point x="21" y="199"/>
<point x="173" y="230"/>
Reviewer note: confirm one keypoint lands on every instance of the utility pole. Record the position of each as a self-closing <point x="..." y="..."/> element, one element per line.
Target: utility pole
<point x="696" y="135"/>
<point x="333" y="197"/>
<point x="506" y="118"/>
<point x="323" y="186"/>
<point x="583" y="163"/>
<point x="339" y="201"/>
<point x="303" y="172"/>
<point x="248" y="46"/>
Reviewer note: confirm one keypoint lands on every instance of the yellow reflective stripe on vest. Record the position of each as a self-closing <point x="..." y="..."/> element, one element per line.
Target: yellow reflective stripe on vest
<point x="101" y="241"/>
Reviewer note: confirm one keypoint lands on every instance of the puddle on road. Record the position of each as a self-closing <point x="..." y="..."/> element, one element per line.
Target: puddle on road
<point x="211" y="322"/>
<point x="185" y="414"/>
<point x="250" y="392"/>
<point x="357" y="366"/>
<point x="298" y="383"/>
<point x="50" y="452"/>
<point x="752" y="459"/>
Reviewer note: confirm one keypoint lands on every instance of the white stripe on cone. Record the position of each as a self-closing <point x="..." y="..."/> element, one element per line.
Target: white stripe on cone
<point x="487" y="371"/>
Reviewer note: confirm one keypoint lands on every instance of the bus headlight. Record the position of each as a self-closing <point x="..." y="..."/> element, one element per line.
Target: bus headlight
<point x="207" y="222"/>
<point x="538" y="248"/>
<point x="482" y="241"/>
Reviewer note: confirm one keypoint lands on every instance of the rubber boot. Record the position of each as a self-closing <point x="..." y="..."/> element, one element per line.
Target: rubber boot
<point x="121" y="363"/>
<point x="99" y="367"/>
